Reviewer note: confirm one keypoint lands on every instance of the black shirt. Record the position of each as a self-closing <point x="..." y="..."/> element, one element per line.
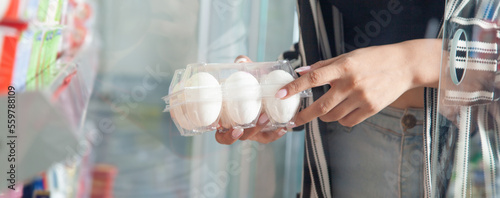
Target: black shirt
<point x="379" y="22"/>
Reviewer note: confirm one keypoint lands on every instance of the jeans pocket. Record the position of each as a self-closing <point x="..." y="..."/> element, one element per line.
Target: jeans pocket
<point x="387" y="127"/>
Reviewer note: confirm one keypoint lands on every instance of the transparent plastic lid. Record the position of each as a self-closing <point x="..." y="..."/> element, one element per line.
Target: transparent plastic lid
<point x="205" y="96"/>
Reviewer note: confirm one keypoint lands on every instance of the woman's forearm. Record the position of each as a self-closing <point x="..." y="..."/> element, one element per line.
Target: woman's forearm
<point x="424" y="59"/>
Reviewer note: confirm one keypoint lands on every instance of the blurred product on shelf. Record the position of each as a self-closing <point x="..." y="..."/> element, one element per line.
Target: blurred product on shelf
<point x="16" y="9"/>
<point x="103" y="179"/>
<point x="22" y="62"/>
<point x="41" y="194"/>
<point x="78" y="17"/>
<point x="37" y="186"/>
<point x="8" y="42"/>
<point x="43" y="12"/>
<point x="34" y="34"/>
<point x="49" y="55"/>
<point x="17" y="193"/>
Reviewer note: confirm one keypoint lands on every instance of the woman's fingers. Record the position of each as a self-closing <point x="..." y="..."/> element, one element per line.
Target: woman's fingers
<point x="228" y="137"/>
<point x="320" y="73"/>
<point x="356" y="117"/>
<point x="341" y="110"/>
<point x="261" y="123"/>
<point x="234" y="135"/>
<point x="320" y="107"/>
<point x="242" y="59"/>
<point x="314" y="78"/>
<point x="268" y="137"/>
<point x="305" y="69"/>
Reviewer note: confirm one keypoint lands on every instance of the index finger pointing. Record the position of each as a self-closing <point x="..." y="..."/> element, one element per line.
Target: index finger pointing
<point x="314" y="78"/>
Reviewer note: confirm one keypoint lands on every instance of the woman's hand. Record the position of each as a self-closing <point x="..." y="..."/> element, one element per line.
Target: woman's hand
<point x="366" y="80"/>
<point x="232" y="135"/>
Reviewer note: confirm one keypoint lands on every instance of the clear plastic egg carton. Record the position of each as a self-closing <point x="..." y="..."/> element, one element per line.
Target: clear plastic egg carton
<point x="203" y="96"/>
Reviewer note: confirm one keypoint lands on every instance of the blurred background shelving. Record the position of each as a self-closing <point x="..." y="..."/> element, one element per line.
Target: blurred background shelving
<point x="147" y="41"/>
<point x="50" y="56"/>
<point x="96" y="127"/>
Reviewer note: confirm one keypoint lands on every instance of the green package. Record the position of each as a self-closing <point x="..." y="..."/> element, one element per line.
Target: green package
<point x="36" y="51"/>
<point x="59" y="11"/>
<point x="43" y="8"/>
<point x="46" y="75"/>
<point x="53" y="68"/>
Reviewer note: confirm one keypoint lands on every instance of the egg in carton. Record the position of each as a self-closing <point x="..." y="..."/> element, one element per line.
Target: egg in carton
<point x="204" y="96"/>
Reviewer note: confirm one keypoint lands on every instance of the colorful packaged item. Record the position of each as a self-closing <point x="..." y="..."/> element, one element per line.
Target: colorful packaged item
<point x="8" y="47"/>
<point x="23" y="56"/>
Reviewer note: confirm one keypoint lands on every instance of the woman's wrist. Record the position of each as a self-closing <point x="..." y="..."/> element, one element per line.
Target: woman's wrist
<point x="424" y="59"/>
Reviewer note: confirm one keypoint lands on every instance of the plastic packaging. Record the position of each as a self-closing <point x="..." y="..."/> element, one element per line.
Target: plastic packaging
<point x="462" y="154"/>
<point x="203" y="96"/>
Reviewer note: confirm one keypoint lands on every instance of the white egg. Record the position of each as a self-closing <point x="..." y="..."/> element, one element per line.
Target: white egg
<point x="177" y="112"/>
<point x="280" y="111"/>
<point x="204" y="99"/>
<point x="243" y="98"/>
<point x="225" y="121"/>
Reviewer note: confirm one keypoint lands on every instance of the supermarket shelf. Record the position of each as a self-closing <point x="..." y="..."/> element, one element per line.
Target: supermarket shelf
<point x="49" y="121"/>
<point x="50" y="114"/>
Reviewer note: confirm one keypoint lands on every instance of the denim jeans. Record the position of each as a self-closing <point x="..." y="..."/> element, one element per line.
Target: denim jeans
<point x="380" y="157"/>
